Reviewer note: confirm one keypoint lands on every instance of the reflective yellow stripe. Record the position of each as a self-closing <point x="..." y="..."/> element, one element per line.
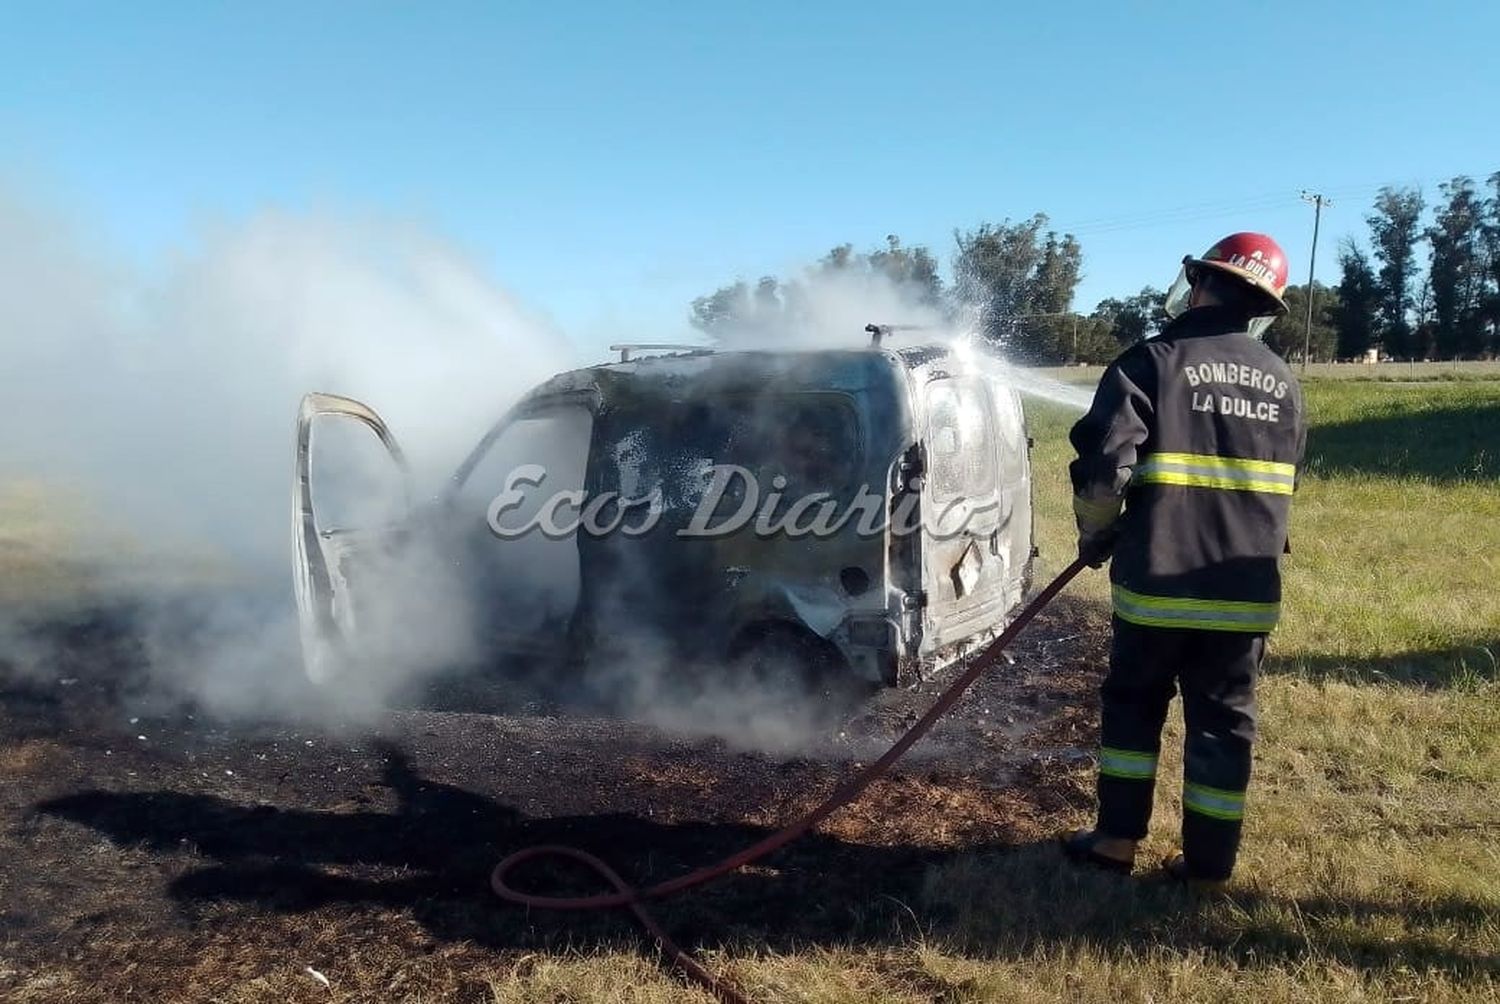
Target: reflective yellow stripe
<point x="1127" y="764"/>
<point x="1206" y="615"/>
<point x="1096" y="515"/>
<point x="1202" y="470"/>
<point x="1237" y="463"/>
<point x="1216" y="803"/>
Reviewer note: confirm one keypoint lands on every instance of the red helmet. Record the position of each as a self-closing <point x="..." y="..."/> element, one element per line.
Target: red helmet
<point x="1251" y="258"/>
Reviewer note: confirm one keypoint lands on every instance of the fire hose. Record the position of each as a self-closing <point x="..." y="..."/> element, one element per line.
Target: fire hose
<point x="627" y="896"/>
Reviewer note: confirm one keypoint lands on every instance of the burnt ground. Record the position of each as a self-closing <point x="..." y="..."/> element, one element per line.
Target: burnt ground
<point x="170" y="856"/>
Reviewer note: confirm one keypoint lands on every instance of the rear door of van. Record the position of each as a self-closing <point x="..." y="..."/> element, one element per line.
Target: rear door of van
<point x="966" y="514"/>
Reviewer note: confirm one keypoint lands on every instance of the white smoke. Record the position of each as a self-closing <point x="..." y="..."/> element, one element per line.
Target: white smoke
<point x="828" y="308"/>
<point x="150" y="449"/>
<point x="157" y="404"/>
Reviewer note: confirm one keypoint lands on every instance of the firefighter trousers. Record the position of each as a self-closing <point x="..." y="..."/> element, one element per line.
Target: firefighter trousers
<point x="1215" y="671"/>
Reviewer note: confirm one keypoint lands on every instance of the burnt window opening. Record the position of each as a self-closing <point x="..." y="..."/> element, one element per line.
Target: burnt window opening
<point x="673" y="447"/>
<point x="960" y="440"/>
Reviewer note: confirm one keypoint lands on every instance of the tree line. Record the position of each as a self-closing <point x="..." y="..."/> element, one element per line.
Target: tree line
<point x="1425" y="289"/>
<point x="1388" y="302"/>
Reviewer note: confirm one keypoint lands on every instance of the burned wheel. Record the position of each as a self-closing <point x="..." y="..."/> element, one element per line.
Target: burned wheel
<point x="785" y="659"/>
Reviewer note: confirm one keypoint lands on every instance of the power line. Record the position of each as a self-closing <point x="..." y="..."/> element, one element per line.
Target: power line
<point x="1201" y="211"/>
<point x="1125" y="218"/>
<point x="1181" y="214"/>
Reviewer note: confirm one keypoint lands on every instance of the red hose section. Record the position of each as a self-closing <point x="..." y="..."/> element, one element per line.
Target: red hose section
<point x="627" y="896"/>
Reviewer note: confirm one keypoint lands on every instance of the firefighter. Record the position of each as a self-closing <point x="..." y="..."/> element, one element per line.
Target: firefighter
<point x="1186" y="465"/>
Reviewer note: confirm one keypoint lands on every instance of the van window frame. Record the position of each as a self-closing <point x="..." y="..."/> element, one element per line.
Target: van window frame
<point x="607" y="432"/>
<point x="529" y="409"/>
<point x="962" y="384"/>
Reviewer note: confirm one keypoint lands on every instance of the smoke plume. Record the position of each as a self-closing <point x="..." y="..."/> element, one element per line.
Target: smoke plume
<point x="150" y="411"/>
<point x="149" y="457"/>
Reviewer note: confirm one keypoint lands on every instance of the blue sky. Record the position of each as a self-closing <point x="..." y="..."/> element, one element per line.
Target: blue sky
<point x="608" y="162"/>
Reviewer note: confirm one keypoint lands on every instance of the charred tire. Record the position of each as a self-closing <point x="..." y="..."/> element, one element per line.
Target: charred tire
<point x="786" y="657"/>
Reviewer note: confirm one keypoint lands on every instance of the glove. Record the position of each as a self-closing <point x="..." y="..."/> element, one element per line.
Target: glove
<point x="1095" y="548"/>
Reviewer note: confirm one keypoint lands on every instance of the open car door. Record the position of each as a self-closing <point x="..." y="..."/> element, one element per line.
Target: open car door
<point x="388" y="595"/>
<point x="351" y="512"/>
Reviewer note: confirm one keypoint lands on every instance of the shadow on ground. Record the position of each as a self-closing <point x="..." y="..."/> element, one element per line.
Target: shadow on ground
<point x="434" y="854"/>
<point x="1473" y="661"/>
<point x="432" y="858"/>
<point x="1445" y="444"/>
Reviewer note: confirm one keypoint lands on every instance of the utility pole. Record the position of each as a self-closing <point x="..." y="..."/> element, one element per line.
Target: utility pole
<point x="1318" y="202"/>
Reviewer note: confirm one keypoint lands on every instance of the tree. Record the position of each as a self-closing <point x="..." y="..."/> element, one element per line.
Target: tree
<point x="994" y="267"/>
<point x="1096" y="340"/>
<point x="1490" y="239"/>
<point x="723" y="308"/>
<point x="913" y="271"/>
<point x="1356" y="315"/>
<point x="1287" y="333"/>
<point x="1457" y="273"/>
<point x="908" y="276"/>
<point x="1394" y="231"/>
<point x="1424" y="331"/>
<point x="1019" y="282"/>
<point x="1135" y="318"/>
<point x="1057" y="274"/>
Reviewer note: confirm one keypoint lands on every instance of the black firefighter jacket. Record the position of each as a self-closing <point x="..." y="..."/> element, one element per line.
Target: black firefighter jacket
<point x="1189" y="456"/>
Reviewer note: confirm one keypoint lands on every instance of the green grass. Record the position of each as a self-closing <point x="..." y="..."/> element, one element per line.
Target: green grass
<point x="1358" y="372"/>
<point x="1370" y="868"/>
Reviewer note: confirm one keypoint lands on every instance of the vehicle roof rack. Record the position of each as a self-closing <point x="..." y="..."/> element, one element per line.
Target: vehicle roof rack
<point x="879" y="331"/>
<point x="625" y="348"/>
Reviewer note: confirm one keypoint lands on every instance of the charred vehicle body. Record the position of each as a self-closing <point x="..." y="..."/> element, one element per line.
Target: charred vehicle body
<point x="864" y="512"/>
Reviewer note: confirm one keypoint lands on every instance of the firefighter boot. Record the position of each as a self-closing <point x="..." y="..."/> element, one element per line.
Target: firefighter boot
<point x="1090" y="847"/>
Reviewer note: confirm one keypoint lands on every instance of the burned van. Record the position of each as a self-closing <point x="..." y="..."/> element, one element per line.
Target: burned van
<point x="862" y="512"/>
